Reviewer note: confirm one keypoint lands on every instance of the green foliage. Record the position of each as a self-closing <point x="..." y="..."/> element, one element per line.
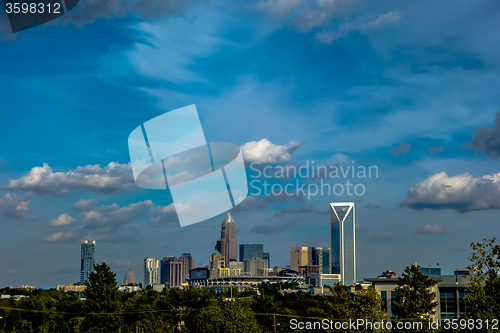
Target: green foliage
<point x="414" y="299"/>
<point x="103" y="304"/>
<point x="226" y="317"/>
<point x="483" y="301"/>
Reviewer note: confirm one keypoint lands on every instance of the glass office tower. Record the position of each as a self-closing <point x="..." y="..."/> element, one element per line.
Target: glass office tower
<point x="249" y="251"/>
<point x="343" y="249"/>
<point x="87" y="260"/>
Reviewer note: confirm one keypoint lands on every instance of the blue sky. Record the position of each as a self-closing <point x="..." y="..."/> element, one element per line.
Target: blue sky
<point x="409" y="87"/>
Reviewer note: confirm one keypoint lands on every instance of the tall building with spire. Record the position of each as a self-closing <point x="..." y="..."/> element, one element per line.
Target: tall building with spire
<point x="226" y="245"/>
<point x="87" y="260"/>
<point x="343" y="238"/>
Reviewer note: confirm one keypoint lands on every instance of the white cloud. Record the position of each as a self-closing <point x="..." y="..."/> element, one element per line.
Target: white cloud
<point x="264" y="151"/>
<point x="60" y="236"/>
<point x="430" y="229"/>
<point x="14" y="207"/>
<point x="82" y="205"/>
<point x="63" y="219"/>
<point x="44" y="182"/>
<point x="461" y="193"/>
<point x="111" y="223"/>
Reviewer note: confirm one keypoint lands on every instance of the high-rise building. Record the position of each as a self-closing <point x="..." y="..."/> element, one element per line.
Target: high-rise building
<point x="300" y="256"/>
<point x="150" y="272"/>
<point x="226" y="245"/>
<point x="216" y="262"/>
<point x="87" y="260"/>
<point x="248" y="251"/>
<point x="267" y="256"/>
<point x="172" y="272"/>
<point x="343" y="238"/>
<point x="255" y="266"/>
<point x="130" y="277"/>
<point x="321" y="258"/>
<point x="187" y="264"/>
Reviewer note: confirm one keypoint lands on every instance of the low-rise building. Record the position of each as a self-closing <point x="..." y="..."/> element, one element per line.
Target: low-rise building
<point x="71" y="287"/>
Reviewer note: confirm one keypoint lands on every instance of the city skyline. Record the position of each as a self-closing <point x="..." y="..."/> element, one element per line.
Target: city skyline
<point x="294" y="85"/>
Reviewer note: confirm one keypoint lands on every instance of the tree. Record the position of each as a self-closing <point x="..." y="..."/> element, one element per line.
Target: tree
<point x="482" y="292"/>
<point x="226" y="317"/>
<point x="103" y="305"/>
<point x="414" y="297"/>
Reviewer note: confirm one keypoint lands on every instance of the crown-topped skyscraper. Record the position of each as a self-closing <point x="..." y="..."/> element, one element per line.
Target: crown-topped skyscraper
<point x="226" y="245"/>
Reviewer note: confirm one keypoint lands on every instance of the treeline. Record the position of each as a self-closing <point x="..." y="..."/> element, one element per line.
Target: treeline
<point x="106" y="309"/>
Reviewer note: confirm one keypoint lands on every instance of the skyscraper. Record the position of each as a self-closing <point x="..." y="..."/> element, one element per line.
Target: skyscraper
<point x="87" y="260"/>
<point x="248" y="251"/>
<point x="226" y="245"/>
<point x="343" y="238"/>
<point x="150" y="272"/>
<point x="172" y="272"/>
<point x="187" y="264"/>
<point x="321" y="258"/>
<point x="300" y="256"/>
<point x="215" y="262"/>
<point x="130" y="277"/>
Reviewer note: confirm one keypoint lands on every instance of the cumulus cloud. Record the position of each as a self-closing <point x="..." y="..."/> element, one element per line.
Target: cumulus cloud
<point x="487" y="139"/>
<point x="462" y="193"/>
<point x="403" y="149"/>
<point x="381" y="237"/>
<point x="264" y="151"/>
<point x="307" y="15"/>
<point x="303" y="209"/>
<point x="328" y="37"/>
<point x="270" y="229"/>
<point x="435" y="150"/>
<point x="13" y="206"/>
<point x="83" y="205"/>
<point x="44" y="182"/>
<point x="63" y="219"/>
<point x="61" y="237"/>
<point x="111" y="223"/>
<point x="430" y="229"/>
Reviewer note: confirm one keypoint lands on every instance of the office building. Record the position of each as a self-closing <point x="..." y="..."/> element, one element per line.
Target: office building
<point x="187" y="264"/>
<point x="320" y="280"/>
<point x="87" y="260"/>
<point x="226" y="245"/>
<point x="343" y="241"/>
<point x="248" y="251"/>
<point x="429" y="270"/>
<point x="150" y="272"/>
<point x="255" y="266"/>
<point x="237" y="265"/>
<point x="74" y="288"/>
<point x="267" y="256"/>
<point x="130" y="277"/>
<point x="300" y="256"/>
<point x="215" y="262"/>
<point x="172" y="272"/>
<point x="321" y="258"/>
<point x="450" y="294"/>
